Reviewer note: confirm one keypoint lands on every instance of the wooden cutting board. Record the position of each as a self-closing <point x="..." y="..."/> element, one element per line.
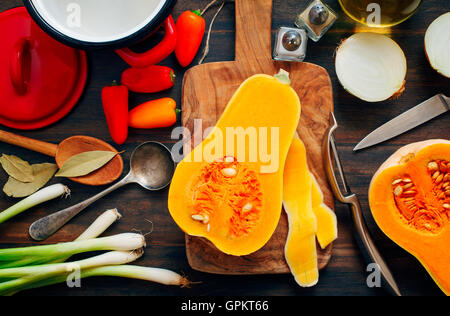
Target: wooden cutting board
<point x="206" y="92"/>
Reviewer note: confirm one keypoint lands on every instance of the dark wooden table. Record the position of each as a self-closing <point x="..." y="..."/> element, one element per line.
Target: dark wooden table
<point x="346" y="273"/>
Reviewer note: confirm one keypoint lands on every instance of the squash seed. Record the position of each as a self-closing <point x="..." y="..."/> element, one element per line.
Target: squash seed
<point x="398" y="191"/>
<point x="198" y="218"/>
<point x="397" y="181"/>
<point x="229" y="172"/>
<point x="229" y="159"/>
<point x="248" y="207"/>
<point x="433" y="166"/>
<point x="409" y="185"/>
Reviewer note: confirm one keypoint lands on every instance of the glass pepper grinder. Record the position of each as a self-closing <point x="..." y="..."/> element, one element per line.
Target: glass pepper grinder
<point x="317" y="19"/>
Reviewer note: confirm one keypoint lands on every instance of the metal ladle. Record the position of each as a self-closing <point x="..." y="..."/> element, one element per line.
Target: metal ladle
<point x="151" y="166"/>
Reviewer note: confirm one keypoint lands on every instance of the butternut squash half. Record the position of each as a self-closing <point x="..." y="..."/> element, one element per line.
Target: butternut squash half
<point x="410" y="200"/>
<point x="229" y="188"/>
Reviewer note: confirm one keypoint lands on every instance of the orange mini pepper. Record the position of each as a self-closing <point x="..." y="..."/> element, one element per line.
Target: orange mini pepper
<point x="154" y="114"/>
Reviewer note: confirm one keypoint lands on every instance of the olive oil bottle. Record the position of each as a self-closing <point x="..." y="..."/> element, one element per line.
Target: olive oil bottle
<point x="380" y="13"/>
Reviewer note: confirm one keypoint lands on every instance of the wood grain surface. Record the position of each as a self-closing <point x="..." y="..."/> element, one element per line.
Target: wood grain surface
<point x="346" y="273"/>
<point x="206" y="91"/>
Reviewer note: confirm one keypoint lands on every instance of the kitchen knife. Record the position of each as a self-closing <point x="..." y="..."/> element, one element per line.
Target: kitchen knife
<point x="422" y="113"/>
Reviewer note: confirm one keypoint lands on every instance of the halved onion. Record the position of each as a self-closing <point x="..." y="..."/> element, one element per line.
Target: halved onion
<point x="437" y="44"/>
<point x="371" y="66"/>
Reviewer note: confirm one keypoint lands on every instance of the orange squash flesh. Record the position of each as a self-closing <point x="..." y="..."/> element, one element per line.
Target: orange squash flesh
<point x="243" y="207"/>
<point x="410" y="201"/>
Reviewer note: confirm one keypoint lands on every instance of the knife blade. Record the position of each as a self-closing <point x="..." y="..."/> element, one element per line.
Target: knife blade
<point x="420" y="114"/>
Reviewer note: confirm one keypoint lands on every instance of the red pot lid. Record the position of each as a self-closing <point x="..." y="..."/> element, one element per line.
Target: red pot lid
<point x="41" y="79"/>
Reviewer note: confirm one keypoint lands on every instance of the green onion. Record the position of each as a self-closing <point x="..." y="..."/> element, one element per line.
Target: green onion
<point x="31" y="275"/>
<point x="38" y="266"/>
<point x="161" y="276"/>
<point x="122" y="242"/>
<point x="101" y="224"/>
<point x="98" y="227"/>
<point x="109" y="258"/>
<point x="44" y="195"/>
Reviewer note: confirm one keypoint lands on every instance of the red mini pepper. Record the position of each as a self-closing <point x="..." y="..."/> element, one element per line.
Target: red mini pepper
<point x="191" y="29"/>
<point x="115" y="105"/>
<point x="156" y="54"/>
<point x="154" y="114"/>
<point x="151" y="79"/>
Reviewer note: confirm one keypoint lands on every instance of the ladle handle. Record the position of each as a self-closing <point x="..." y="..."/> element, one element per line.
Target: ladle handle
<point x="47" y="226"/>
<point x="28" y="143"/>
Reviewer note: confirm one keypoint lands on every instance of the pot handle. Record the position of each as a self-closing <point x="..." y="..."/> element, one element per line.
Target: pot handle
<point x="20" y="61"/>
<point x="157" y="53"/>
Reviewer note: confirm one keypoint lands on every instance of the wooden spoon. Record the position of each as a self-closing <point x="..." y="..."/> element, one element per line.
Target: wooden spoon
<point x="70" y="147"/>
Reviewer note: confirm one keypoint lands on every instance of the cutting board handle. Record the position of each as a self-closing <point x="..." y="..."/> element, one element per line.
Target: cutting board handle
<point x="253" y="30"/>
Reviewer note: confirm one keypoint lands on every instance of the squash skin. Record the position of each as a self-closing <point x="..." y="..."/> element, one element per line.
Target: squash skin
<point x="327" y="224"/>
<point x="432" y="250"/>
<point x="308" y="217"/>
<point x="300" y="249"/>
<point x="257" y="104"/>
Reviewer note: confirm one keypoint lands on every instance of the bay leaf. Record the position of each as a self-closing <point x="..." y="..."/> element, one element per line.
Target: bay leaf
<point x="85" y="163"/>
<point x="42" y="174"/>
<point x="17" y="168"/>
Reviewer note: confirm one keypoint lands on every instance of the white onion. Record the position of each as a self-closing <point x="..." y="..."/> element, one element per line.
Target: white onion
<point x="437" y="44"/>
<point x="371" y="66"/>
